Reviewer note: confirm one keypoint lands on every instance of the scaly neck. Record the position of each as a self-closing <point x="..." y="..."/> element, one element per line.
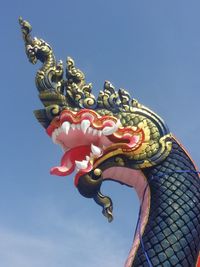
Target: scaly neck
<point x="169" y="224"/>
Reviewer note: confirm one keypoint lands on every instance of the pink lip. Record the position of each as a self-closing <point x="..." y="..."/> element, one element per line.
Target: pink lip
<point x="67" y="165"/>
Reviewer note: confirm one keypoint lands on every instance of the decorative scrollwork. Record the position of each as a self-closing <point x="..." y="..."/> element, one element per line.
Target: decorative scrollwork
<point x="76" y="87"/>
<point x="49" y="76"/>
<point x="73" y="74"/>
<point x="106" y="203"/>
<point x="52" y="111"/>
<point x="72" y="92"/>
<point x="108" y="98"/>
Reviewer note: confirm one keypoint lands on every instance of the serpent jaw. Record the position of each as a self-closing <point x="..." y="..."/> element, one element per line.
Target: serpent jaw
<point x="86" y="137"/>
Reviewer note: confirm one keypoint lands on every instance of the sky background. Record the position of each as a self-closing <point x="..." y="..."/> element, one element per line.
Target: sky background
<point x="151" y="48"/>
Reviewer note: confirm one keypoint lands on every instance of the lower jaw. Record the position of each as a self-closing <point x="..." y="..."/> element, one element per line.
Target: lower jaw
<point x="68" y="162"/>
<point x="68" y="165"/>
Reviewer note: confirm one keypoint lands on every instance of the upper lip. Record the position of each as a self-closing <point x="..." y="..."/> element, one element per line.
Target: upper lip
<point x="85" y="118"/>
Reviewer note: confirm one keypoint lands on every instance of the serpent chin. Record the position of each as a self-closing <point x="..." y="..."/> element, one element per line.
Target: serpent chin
<point x="114" y="137"/>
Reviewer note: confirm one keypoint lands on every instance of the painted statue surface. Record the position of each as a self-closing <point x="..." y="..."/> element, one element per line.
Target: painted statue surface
<point x="115" y="137"/>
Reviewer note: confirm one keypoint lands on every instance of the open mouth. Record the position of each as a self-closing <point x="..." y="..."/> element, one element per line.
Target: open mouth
<point x="86" y="136"/>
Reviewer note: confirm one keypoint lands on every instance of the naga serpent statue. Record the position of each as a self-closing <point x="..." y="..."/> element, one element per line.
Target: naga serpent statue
<point x="115" y="137"/>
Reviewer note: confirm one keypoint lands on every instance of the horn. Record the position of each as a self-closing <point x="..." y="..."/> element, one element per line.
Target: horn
<point x="49" y="78"/>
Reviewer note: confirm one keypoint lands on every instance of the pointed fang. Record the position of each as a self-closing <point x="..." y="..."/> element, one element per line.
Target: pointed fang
<point x="95" y="150"/>
<point x="85" y="124"/>
<point x="65" y="127"/>
<point x="81" y="164"/>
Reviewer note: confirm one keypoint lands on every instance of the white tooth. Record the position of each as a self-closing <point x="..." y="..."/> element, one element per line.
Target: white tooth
<point x="95" y="131"/>
<point x="53" y="136"/>
<point x="84" y="125"/>
<point x="59" y="130"/>
<point x="56" y="132"/>
<point x="89" y="130"/>
<point x="96" y="150"/>
<point x="73" y="126"/>
<point x="78" y="126"/>
<point x="99" y="133"/>
<point x="65" y="127"/>
<point x="87" y="158"/>
<point x="81" y="164"/>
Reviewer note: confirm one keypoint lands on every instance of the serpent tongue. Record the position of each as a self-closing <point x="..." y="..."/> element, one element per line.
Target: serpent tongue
<point x="67" y="165"/>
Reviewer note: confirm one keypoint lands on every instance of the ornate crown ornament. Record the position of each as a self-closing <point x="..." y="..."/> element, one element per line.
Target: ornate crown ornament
<point x="58" y="93"/>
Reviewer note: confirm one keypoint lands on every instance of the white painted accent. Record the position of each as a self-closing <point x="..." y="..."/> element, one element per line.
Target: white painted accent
<point x="118" y="123"/>
<point x="87" y="158"/>
<point x="108" y="130"/>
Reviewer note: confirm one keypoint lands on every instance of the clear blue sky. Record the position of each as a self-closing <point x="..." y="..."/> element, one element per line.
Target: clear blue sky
<point x="151" y="48"/>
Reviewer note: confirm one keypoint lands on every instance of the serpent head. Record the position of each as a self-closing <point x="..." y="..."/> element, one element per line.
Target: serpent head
<point x="96" y="133"/>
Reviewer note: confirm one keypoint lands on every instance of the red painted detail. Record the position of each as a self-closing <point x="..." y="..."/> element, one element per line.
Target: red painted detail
<point x="55" y="123"/>
<point x="128" y="138"/>
<point x="67" y="116"/>
<point x="50" y="130"/>
<point x="134" y="139"/>
<point x="96" y="120"/>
